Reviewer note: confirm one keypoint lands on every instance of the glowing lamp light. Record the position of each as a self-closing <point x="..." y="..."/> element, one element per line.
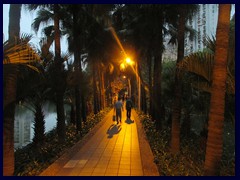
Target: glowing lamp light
<point x="129" y="61"/>
<point x="122" y="66"/>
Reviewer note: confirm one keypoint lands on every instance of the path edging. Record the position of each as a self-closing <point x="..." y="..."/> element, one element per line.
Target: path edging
<point x="148" y="165"/>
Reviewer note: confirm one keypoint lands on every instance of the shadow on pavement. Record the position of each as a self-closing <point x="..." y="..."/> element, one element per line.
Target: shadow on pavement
<point x="113" y="129"/>
<point x="129" y="121"/>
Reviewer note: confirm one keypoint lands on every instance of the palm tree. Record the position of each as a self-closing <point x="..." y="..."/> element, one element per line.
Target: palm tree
<point x="32" y="89"/>
<point x="217" y="103"/>
<point x="184" y="11"/>
<point x="61" y="126"/>
<point x="45" y="44"/>
<point x="74" y="28"/>
<point x="101" y="41"/>
<point x="83" y="30"/>
<point x="201" y="64"/>
<point x="53" y="12"/>
<point x="16" y="53"/>
<point x="144" y="31"/>
<point x="10" y="95"/>
<point x="39" y="124"/>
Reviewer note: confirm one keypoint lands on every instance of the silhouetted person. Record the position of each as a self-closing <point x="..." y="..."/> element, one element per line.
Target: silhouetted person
<point x="123" y="99"/>
<point x="118" y="109"/>
<point x="129" y="106"/>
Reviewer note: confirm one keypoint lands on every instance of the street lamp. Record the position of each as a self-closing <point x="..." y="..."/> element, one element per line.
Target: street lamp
<point x="129" y="61"/>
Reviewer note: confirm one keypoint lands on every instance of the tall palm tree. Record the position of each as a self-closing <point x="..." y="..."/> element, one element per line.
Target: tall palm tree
<point x="144" y="30"/>
<point x="217" y="103"/>
<point x="99" y="48"/>
<point x="199" y="66"/>
<point x="83" y="31"/>
<point x="10" y="95"/>
<point x="175" y="138"/>
<point x="61" y="126"/>
<point x="101" y="41"/>
<point x="53" y="12"/>
<point x="16" y="53"/>
<point x="183" y="13"/>
<point x="74" y="28"/>
<point x="32" y="89"/>
<point x="157" y="75"/>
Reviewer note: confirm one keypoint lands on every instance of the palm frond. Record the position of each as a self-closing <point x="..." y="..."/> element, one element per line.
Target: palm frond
<point x="32" y="7"/>
<point x="48" y="31"/>
<point x="200" y="63"/>
<point x="33" y="68"/>
<point x="43" y="16"/>
<point x="202" y="86"/>
<point x="192" y="32"/>
<point x="19" y="52"/>
<point x="230" y="82"/>
<point x="210" y="43"/>
<point x="206" y="87"/>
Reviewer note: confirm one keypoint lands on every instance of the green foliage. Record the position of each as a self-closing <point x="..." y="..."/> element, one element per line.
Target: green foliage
<point x="168" y="74"/>
<point x="32" y="160"/>
<point x="190" y="160"/>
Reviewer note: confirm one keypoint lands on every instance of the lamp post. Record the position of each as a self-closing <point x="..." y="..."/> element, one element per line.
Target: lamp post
<point x="129" y="88"/>
<point x="139" y="87"/>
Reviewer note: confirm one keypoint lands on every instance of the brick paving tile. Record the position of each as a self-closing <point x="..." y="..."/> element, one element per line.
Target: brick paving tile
<point x="108" y="150"/>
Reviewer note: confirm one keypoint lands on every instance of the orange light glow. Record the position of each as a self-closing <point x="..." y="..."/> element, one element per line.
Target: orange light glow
<point x="128" y="60"/>
<point x="122" y="66"/>
<point x="117" y="40"/>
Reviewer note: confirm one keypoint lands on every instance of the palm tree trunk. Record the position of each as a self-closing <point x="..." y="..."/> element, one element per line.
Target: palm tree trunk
<point x="217" y="104"/>
<point x="157" y="91"/>
<point x="73" y="114"/>
<point x="103" y="91"/>
<point x="61" y="126"/>
<point x="8" y="125"/>
<point x="39" y="125"/>
<point x="99" y="87"/>
<point x="157" y="101"/>
<point x="78" y="109"/>
<point x="57" y="32"/>
<point x="10" y="96"/>
<point x="144" y="100"/>
<point x="95" y="96"/>
<point x="176" y="113"/>
<point x="84" y="109"/>
<point x="78" y="70"/>
<point x="186" y="124"/>
<point x="14" y="22"/>
<point x="45" y="48"/>
<point x="150" y="85"/>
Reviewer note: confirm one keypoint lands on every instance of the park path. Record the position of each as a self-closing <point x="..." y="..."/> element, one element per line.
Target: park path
<point x="109" y="149"/>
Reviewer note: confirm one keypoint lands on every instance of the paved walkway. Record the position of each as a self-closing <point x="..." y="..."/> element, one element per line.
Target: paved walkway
<point x="110" y="149"/>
